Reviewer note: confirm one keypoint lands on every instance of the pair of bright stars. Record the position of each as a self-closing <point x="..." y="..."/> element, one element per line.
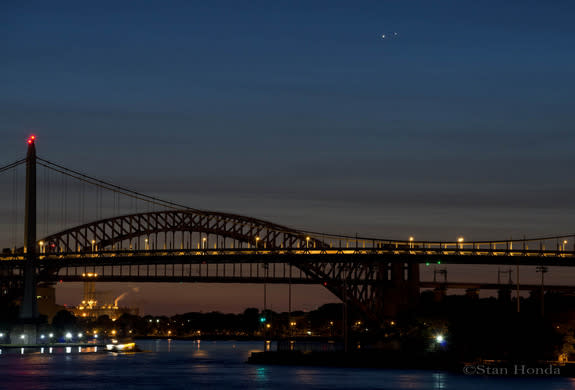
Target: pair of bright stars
<point x="384" y="36"/>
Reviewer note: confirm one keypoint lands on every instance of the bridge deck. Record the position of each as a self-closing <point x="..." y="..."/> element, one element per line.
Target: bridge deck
<point x="301" y="256"/>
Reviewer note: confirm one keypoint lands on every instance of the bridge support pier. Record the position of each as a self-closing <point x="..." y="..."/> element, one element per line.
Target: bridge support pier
<point x="399" y="289"/>
<point x="439" y="294"/>
<point x="413" y="284"/>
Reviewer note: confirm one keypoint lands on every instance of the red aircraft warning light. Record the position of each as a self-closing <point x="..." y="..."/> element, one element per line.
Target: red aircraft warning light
<point x="31" y="139"/>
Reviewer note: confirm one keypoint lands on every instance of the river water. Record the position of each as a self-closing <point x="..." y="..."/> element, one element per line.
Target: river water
<point x="175" y="364"/>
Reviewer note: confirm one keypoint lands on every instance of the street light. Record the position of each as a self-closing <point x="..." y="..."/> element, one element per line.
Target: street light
<point x="440" y="339"/>
<point x="564" y="243"/>
<point x="411" y="242"/>
<point x="204" y="239"/>
<point x="93" y="244"/>
<point x="41" y="243"/>
<point x="307" y="242"/>
<point x="460" y="241"/>
<point x="257" y="239"/>
<point x="147" y="246"/>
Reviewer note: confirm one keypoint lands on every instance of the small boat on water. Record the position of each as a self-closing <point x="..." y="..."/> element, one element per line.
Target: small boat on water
<point x="126" y="345"/>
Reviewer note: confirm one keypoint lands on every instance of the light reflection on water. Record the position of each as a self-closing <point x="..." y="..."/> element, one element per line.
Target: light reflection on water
<point x="307" y="375"/>
<point x="439" y="380"/>
<point x="261" y="374"/>
<point x="220" y="364"/>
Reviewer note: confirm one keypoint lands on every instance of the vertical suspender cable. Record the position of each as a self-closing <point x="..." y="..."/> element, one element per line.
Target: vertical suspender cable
<point x="83" y="203"/>
<point x="45" y="174"/>
<point x="62" y="202"/>
<point x="99" y="195"/>
<point x="14" y="210"/>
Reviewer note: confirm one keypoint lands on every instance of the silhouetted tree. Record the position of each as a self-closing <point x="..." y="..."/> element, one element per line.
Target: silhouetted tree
<point x="250" y="320"/>
<point x="64" y="320"/>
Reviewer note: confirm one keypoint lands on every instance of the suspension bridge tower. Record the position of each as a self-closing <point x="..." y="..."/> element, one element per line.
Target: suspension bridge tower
<point x="25" y="331"/>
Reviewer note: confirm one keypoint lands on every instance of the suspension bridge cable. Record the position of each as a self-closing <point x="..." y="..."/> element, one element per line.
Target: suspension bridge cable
<point x="12" y="165"/>
<point x="131" y="193"/>
<point x="176" y="206"/>
<point x="151" y="199"/>
<point x="466" y="243"/>
<point x="112" y="187"/>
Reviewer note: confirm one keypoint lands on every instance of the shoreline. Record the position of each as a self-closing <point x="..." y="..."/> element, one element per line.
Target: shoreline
<point x="52" y="345"/>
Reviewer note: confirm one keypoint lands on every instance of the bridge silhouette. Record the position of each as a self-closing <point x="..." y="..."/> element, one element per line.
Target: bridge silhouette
<point x="379" y="277"/>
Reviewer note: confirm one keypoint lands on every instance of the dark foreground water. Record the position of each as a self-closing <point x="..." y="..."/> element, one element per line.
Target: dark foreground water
<point x="221" y="365"/>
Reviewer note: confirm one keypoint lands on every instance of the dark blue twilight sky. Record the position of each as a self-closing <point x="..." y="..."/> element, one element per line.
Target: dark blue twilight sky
<point x="299" y="112"/>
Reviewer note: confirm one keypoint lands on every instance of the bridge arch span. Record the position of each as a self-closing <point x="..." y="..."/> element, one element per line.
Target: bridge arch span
<point x="196" y="229"/>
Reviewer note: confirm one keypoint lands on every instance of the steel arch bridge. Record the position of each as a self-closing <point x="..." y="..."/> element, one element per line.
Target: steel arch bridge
<point x="203" y="232"/>
<point x="378" y="277"/>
